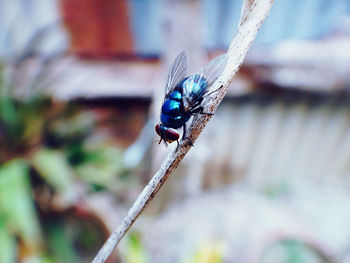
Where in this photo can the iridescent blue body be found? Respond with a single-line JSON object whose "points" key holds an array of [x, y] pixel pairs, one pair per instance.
{"points": [[177, 109]]}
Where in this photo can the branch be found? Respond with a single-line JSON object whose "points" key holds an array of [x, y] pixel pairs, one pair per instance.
{"points": [[253, 14]]}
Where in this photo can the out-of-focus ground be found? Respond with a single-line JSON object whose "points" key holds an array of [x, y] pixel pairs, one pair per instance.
{"points": [[81, 88]]}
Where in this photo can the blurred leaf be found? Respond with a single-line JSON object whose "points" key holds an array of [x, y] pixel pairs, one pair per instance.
{"points": [[7, 244], [73, 237], [211, 252], [277, 189], [32, 116], [292, 251], [101, 166], [87, 235], [21, 124], [53, 166], [7, 112], [60, 244], [46, 259], [16, 203], [297, 252], [70, 127], [7, 109], [134, 251]]}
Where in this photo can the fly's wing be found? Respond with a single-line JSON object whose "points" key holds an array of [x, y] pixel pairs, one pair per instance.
{"points": [[176, 73], [213, 69], [193, 93]]}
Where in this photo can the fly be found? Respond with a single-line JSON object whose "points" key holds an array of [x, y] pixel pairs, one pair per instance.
{"points": [[184, 95]]}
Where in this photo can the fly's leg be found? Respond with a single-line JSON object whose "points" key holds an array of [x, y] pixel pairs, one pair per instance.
{"points": [[190, 142], [184, 135], [214, 90], [200, 110], [207, 113], [177, 147], [184, 131]]}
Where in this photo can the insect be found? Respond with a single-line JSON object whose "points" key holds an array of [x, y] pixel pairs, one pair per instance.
{"points": [[184, 95]]}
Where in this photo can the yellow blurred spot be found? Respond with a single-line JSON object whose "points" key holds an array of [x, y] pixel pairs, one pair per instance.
{"points": [[209, 252]]}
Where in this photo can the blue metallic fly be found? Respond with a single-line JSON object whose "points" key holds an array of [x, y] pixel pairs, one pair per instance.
{"points": [[184, 95]]}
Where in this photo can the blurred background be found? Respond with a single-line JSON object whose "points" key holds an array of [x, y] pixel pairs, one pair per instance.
{"points": [[81, 86]]}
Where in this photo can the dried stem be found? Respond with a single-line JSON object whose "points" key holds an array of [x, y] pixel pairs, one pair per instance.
{"points": [[253, 14]]}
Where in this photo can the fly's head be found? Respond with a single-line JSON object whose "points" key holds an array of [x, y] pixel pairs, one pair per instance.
{"points": [[167, 134]]}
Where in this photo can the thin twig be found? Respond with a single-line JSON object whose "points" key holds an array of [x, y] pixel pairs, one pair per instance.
{"points": [[253, 14]]}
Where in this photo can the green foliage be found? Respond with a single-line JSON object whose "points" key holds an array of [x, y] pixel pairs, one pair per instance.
{"points": [[297, 252], [21, 125], [134, 251], [292, 251], [60, 244], [54, 168], [103, 167], [46, 147], [16, 204], [7, 244]]}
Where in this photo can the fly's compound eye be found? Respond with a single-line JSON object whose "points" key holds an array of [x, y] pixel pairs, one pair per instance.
{"points": [[167, 134], [157, 128], [171, 135]]}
